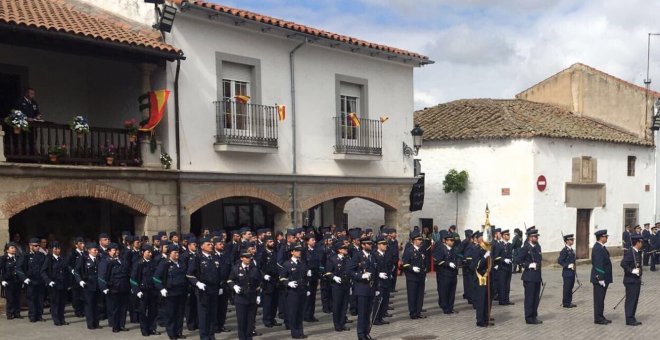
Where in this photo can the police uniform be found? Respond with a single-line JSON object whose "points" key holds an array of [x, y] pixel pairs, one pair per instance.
{"points": [[57, 276], [192, 321], [29, 107], [325, 286], [29, 271], [362, 269], [414, 264], [393, 249], [466, 260], [313, 263], [142, 286], [114, 277], [567, 261], [336, 270], [269, 301], [632, 280], [204, 274], [383, 265], [446, 273], [655, 246], [170, 280], [295, 271], [530, 258], [223, 299], [77, 297], [601, 277], [503, 256], [11, 283], [481, 267], [245, 279], [86, 274], [646, 234]]}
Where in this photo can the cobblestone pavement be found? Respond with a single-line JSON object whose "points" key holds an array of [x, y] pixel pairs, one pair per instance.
{"points": [[558, 322]]}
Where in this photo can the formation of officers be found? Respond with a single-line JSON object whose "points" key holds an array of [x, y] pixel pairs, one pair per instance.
{"points": [[172, 279]]}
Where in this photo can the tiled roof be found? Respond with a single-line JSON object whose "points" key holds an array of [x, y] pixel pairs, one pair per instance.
{"points": [[243, 14], [77, 19], [514, 118]]}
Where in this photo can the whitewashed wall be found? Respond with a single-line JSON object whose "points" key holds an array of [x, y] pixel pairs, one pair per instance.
{"points": [[364, 214], [136, 10]]}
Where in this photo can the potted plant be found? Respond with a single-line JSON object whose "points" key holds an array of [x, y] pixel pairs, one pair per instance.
{"points": [[79, 125], [17, 120], [56, 151], [132, 127], [108, 150], [165, 160]]}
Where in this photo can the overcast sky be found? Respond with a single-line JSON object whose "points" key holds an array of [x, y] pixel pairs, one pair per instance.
{"points": [[490, 48]]}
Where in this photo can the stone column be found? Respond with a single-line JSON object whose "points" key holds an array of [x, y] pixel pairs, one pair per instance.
{"points": [[282, 221], [149, 159], [145, 72], [4, 232]]}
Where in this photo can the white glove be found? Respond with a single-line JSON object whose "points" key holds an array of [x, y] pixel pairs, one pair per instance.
{"points": [[105, 291], [200, 285], [293, 284], [309, 293], [602, 283], [82, 284], [570, 266], [532, 265], [27, 281], [139, 295], [487, 255], [377, 293], [220, 292], [636, 271], [496, 267], [51, 284], [416, 269], [258, 299], [366, 276], [163, 292], [452, 265], [5, 283], [267, 277], [237, 289], [507, 261], [309, 273], [383, 276], [337, 279]]}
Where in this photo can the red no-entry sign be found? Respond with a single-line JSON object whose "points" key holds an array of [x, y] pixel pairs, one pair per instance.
{"points": [[541, 183]]}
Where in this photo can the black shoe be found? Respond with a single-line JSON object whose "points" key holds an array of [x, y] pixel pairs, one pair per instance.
{"points": [[10, 317], [154, 332], [482, 325], [255, 333], [342, 329], [387, 315], [311, 320], [601, 322], [114, 330], [421, 316], [349, 321], [64, 323], [265, 325], [145, 334], [18, 316], [181, 336], [423, 310], [353, 313], [225, 329], [534, 322], [608, 320], [124, 329], [633, 323], [390, 308]]}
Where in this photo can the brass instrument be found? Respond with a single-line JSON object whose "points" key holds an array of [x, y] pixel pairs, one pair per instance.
{"points": [[486, 244]]}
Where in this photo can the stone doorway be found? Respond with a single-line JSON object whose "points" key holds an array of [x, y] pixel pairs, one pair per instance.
{"points": [[582, 233]]}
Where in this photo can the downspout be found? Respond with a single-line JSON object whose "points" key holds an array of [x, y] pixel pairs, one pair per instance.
{"points": [[179, 218], [294, 172]]}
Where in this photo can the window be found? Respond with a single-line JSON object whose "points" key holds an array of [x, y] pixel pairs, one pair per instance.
{"points": [[630, 216], [349, 104], [235, 82], [631, 165]]}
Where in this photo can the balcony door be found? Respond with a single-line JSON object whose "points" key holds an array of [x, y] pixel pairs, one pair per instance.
{"points": [[236, 112], [349, 104]]}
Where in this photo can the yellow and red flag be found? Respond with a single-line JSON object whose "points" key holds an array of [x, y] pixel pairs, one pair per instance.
{"points": [[383, 119], [157, 101], [281, 112], [242, 99], [352, 117]]}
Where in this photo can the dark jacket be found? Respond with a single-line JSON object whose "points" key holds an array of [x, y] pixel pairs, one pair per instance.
{"points": [[248, 279], [383, 265], [443, 257], [630, 261], [414, 258], [171, 276], [360, 264], [29, 267], [57, 271], [530, 254], [268, 266], [338, 267], [8, 268], [114, 275], [87, 270], [567, 257], [291, 271], [601, 265], [142, 275]]}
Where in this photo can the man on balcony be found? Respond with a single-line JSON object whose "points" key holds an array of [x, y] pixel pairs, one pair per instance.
{"points": [[28, 105]]}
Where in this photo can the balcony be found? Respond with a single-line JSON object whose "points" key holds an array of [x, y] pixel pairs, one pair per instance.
{"points": [[245, 127], [363, 142], [86, 149]]}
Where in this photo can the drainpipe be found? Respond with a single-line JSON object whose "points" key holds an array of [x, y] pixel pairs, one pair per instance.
{"points": [[179, 218], [293, 128]]}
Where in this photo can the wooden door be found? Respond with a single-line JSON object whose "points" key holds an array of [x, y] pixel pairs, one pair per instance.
{"points": [[582, 234]]}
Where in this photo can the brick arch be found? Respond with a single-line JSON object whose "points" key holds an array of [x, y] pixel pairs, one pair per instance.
{"points": [[384, 199], [234, 190], [26, 200]]}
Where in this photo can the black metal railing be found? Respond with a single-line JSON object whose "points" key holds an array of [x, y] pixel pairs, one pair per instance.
{"points": [[365, 139], [246, 124], [36, 145]]}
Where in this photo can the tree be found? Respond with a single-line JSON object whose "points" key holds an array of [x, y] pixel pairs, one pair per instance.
{"points": [[455, 182]]}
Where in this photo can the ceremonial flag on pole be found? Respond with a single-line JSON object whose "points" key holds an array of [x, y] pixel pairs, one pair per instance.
{"points": [[157, 101], [281, 112], [242, 99], [355, 121]]}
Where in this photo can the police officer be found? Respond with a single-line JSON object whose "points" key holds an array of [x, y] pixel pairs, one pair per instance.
{"points": [[446, 271], [646, 234], [654, 241], [567, 261], [204, 274], [142, 286], [225, 269], [362, 269], [86, 274], [29, 271], [504, 260], [466, 248], [479, 265], [601, 275], [313, 263], [293, 275], [268, 266], [530, 258], [326, 290], [170, 280], [336, 269], [10, 281], [188, 255], [632, 277], [130, 256], [28, 104], [77, 297], [414, 265], [57, 276], [383, 265], [244, 279], [114, 277], [393, 248]]}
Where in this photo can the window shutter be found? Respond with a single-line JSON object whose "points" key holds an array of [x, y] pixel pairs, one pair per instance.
{"points": [[348, 89], [234, 71]]}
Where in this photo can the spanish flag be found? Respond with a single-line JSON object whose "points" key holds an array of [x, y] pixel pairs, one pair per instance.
{"points": [[281, 112], [383, 119], [242, 99], [352, 117], [157, 101]]}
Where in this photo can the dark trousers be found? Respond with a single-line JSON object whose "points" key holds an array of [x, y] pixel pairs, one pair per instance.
{"points": [[599, 301], [567, 296], [269, 307], [632, 297], [352, 305], [117, 304], [480, 303], [174, 310], [381, 302], [364, 305], [148, 309], [223, 303], [339, 305], [295, 300], [646, 256], [13, 296], [415, 292], [35, 299], [191, 312], [133, 306], [504, 286], [494, 284], [281, 305], [310, 301], [57, 302], [245, 316], [653, 260], [91, 308], [207, 312], [532, 294], [77, 300], [326, 296], [467, 287], [446, 292]]}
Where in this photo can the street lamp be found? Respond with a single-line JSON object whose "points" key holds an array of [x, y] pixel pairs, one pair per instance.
{"points": [[418, 136]]}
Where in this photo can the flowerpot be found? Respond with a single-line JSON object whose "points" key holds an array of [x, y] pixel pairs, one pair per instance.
{"points": [[109, 160], [53, 158], [17, 130], [132, 138]]}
